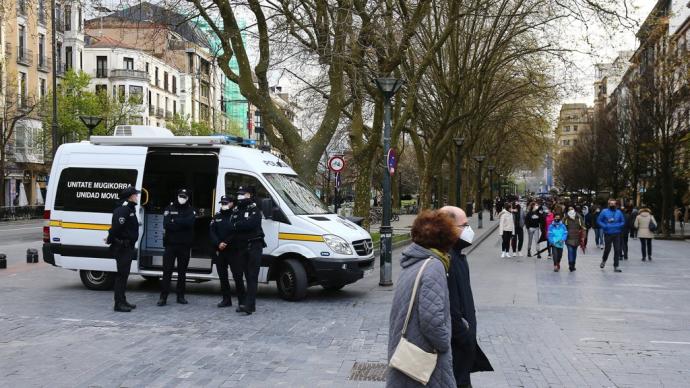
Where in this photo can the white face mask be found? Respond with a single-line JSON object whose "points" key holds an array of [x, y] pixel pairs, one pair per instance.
{"points": [[571, 213], [241, 197], [467, 234], [225, 207], [181, 200]]}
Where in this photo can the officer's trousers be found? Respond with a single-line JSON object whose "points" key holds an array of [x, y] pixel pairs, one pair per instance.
{"points": [[123, 257], [245, 263], [181, 253], [223, 260]]}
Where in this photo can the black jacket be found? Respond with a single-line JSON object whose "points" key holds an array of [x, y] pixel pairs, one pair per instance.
{"points": [[220, 228], [467, 355], [246, 225], [178, 221], [124, 228], [532, 219]]}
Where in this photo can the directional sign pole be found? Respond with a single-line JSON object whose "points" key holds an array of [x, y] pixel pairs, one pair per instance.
{"points": [[336, 201]]}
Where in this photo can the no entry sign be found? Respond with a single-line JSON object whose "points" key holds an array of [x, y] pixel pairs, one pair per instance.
{"points": [[336, 163]]}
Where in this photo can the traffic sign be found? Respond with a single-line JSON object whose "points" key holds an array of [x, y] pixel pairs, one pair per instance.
{"points": [[336, 163], [392, 161]]}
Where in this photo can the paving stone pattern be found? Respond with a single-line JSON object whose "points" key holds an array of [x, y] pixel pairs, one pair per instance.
{"points": [[591, 328]]}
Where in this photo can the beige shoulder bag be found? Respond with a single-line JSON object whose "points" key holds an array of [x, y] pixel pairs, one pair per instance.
{"points": [[409, 358]]}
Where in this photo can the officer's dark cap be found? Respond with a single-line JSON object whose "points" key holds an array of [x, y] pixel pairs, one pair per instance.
{"points": [[128, 192], [227, 199], [183, 193], [244, 190]]}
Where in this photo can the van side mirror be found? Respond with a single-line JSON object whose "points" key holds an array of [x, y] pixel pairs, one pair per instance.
{"points": [[267, 208]]}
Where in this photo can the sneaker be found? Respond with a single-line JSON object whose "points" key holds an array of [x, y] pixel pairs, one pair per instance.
{"points": [[503, 254], [644, 259], [616, 269], [572, 269], [556, 268], [650, 258], [602, 265], [529, 254], [508, 254], [519, 253]]}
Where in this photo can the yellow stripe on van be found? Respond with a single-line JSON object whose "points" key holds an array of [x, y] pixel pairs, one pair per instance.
{"points": [[78, 225], [300, 237]]}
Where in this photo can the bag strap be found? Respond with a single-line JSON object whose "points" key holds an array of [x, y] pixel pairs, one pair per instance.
{"points": [[414, 294]]}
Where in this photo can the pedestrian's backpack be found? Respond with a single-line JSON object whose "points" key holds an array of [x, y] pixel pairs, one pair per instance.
{"points": [[652, 226]]}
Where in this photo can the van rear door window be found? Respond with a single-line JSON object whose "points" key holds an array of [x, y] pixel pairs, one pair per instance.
{"points": [[92, 189]]}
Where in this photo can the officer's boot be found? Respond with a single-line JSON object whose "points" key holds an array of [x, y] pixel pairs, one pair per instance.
{"points": [[226, 302], [130, 305], [163, 300], [121, 307], [181, 299]]}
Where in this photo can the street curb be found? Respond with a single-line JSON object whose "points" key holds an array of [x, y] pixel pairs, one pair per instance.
{"points": [[481, 239], [476, 244]]}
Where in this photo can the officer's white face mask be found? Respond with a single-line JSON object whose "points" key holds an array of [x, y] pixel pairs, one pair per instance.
{"points": [[242, 197], [182, 200], [225, 207]]}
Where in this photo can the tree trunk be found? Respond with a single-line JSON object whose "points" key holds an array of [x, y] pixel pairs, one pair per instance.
{"points": [[362, 203], [2, 178]]}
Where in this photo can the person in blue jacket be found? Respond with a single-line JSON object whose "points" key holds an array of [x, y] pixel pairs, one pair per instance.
{"points": [[612, 223], [557, 236]]}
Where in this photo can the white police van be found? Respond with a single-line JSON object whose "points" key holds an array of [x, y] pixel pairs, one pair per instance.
{"points": [[306, 245]]}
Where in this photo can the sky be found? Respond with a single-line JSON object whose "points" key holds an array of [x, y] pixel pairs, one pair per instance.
{"points": [[601, 48]]}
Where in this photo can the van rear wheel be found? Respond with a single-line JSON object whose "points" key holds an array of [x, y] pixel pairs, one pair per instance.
{"points": [[292, 280], [97, 280]]}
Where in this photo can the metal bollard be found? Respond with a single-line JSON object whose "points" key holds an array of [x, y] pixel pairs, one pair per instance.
{"points": [[3, 261], [31, 255]]}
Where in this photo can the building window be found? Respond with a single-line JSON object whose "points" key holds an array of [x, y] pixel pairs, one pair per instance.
{"points": [[204, 89], [575, 128], [42, 11], [101, 67], [68, 18], [155, 82], [121, 92], [22, 89], [68, 58], [41, 50], [42, 88], [22, 41], [566, 129], [79, 22], [165, 80], [174, 84], [147, 67], [136, 94], [101, 89], [129, 63], [174, 107], [81, 60]]}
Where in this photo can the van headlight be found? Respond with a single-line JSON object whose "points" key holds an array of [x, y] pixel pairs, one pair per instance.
{"points": [[337, 244]]}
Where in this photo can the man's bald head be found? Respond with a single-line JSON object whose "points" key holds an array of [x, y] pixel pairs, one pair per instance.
{"points": [[458, 215]]}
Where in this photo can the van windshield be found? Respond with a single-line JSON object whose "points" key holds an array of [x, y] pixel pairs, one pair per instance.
{"points": [[298, 196]]}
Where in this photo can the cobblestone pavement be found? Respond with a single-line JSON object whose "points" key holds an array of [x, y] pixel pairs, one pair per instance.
{"points": [[591, 328]]}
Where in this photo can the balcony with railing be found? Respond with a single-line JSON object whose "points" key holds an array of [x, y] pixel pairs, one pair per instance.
{"points": [[131, 74], [60, 68], [152, 110], [43, 63], [159, 113], [24, 56], [168, 115]]}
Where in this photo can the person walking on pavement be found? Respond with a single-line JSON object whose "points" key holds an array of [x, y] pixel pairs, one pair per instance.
{"points": [[625, 234], [246, 245], [519, 235], [546, 222], [598, 231], [219, 232], [576, 227], [557, 235], [468, 357], [506, 227], [532, 220], [611, 221], [429, 325], [633, 217], [122, 237], [587, 216], [644, 223], [178, 222]]}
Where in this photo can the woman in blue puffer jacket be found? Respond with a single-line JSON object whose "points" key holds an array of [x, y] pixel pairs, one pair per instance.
{"points": [[557, 236]]}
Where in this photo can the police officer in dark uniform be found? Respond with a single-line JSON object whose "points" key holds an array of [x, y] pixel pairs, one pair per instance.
{"points": [[178, 221], [220, 236], [123, 234], [246, 245]]}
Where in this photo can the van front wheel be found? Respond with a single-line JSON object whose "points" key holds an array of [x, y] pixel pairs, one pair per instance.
{"points": [[97, 280], [292, 280]]}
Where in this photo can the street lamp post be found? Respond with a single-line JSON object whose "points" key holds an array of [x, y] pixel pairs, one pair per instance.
{"points": [[458, 174], [388, 87], [480, 159], [491, 169], [91, 122]]}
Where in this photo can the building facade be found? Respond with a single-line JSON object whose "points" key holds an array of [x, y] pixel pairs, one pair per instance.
{"points": [[573, 120]]}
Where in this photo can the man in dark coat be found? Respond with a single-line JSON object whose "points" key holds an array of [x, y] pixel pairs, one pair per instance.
{"points": [[122, 237], [467, 355]]}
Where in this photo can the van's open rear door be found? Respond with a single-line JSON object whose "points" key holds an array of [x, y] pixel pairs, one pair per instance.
{"points": [[90, 180]]}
